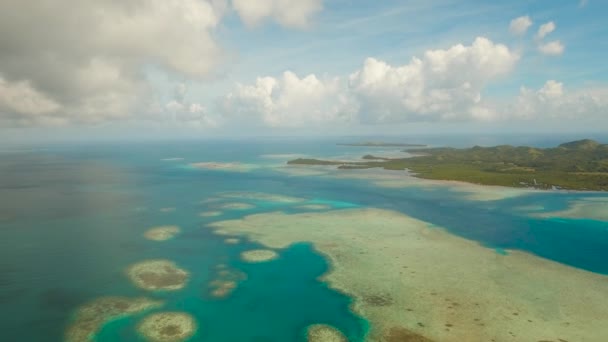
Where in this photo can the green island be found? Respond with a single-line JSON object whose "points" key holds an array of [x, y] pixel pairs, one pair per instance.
{"points": [[380, 144], [576, 165]]}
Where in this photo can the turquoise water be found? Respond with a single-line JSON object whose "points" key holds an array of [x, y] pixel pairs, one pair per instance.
{"points": [[72, 219]]}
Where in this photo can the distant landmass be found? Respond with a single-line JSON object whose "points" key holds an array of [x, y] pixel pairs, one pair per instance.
{"points": [[380, 144], [576, 165]]}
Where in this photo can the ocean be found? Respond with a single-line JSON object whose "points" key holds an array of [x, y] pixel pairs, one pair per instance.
{"points": [[72, 219]]}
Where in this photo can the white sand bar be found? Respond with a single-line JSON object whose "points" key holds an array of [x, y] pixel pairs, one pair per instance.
{"points": [[237, 206], [411, 280], [261, 196], [593, 208]]}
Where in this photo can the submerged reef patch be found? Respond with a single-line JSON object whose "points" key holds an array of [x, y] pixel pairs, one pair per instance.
{"points": [[236, 206], [262, 196], [167, 327], [226, 281], [158, 275], [407, 273], [324, 333], [259, 255], [91, 317], [314, 207], [211, 213], [235, 167], [162, 233]]}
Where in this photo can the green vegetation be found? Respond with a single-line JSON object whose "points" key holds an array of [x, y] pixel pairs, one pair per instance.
{"points": [[577, 165]]}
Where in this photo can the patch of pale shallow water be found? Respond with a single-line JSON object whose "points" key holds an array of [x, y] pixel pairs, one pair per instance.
{"points": [[314, 207], [411, 279], [304, 171], [225, 281], [593, 208], [259, 255], [236, 206], [223, 166], [92, 316], [401, 179], [167, 210], [324, 333], [167, 327], [231, 241], [162, 233], [210, 213], [261, 196], [286, 156], [158, 275]]}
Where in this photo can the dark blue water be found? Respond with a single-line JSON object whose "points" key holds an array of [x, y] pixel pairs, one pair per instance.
{"points": [[72, 219]]}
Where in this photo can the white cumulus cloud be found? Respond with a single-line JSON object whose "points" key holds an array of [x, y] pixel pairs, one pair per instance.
{"points": [[289, 13], [442, 85], [552, 101], [519, 26], [290, 101], [545, 29], [553, 48]]}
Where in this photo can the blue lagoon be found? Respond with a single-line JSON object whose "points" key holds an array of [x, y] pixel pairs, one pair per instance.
{"points": [[222, 241]]}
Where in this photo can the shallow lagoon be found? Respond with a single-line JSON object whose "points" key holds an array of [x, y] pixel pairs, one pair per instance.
{"points": [[73, 220]]}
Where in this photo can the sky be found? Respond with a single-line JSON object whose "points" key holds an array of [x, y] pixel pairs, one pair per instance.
{"points": [[204, 68]]}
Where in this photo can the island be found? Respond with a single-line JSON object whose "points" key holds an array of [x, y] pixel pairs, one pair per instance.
{"points": [[576, 165]]}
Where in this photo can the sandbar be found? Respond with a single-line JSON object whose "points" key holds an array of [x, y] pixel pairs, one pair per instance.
{"points": [[314, 207], [167, 327], [211, 213], [324, 333], [90, 318], [162, 233], [402, 179], [259, 255], [415, 280], [237, 206], [232, 241], [593, 208], [235, 166], [261, 196], [158, 275]]}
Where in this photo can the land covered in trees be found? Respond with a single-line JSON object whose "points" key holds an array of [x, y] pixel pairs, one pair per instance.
{"points": [[576, 165]]}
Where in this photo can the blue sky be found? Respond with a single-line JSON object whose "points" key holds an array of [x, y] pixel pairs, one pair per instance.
{"points": [[217, 67]]}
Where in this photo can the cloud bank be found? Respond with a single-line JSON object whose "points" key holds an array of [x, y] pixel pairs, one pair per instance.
{"points": [[442, 85], [82, 61], [289, 13]]}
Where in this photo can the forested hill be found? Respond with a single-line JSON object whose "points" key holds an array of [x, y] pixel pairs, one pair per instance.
{"points": [[580, 165]]}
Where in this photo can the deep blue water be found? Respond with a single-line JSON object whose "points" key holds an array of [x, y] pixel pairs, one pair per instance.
{"points": [[72, 219]]}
